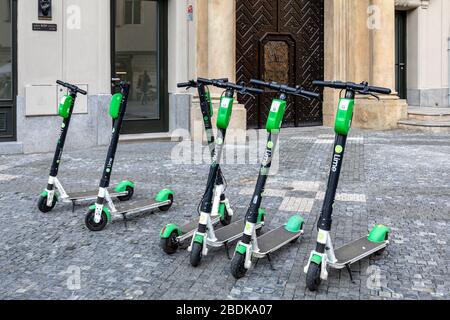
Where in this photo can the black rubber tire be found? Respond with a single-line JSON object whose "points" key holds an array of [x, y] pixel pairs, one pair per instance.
{"points": [[196, 254], [226, 220], [167, 207], [42, 204], [91, 225], [238, 266], [170, 245], [128, 197], [313, 276]]}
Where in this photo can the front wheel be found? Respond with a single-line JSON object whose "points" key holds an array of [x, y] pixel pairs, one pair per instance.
{"points": [[130, 192], [92, 225], [170, 244], [42, 204], [196, 254], [238, 266], [167, 207], [313, 276]]}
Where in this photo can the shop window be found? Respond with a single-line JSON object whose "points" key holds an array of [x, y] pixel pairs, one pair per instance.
{"points": [[133, 11]]}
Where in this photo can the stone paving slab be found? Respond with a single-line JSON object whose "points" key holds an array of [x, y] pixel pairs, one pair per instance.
{"points": [[397, 178]]}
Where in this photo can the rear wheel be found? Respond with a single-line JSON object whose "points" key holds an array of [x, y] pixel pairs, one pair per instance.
{"points": [[167, 207], [170, 244], [130, 192], [196, 254], [238, 266], [42, 204], [92, 225], [313, 276]]}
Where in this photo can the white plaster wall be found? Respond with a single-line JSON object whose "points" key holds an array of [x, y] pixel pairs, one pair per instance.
{"points": [[428, 75], [79, 53], [181, 62]]}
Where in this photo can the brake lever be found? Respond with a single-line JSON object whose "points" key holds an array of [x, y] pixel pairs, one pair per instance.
{"points": [[245, 93], [369, 94]]}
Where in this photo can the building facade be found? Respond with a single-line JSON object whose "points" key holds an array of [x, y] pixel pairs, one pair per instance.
{"points": [[400, 44]]}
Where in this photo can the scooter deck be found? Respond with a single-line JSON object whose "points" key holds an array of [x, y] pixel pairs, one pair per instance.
{"points": [[91, 195], [355, 251], [274, 240], [139, 206], [188, 229], [229, 233]]}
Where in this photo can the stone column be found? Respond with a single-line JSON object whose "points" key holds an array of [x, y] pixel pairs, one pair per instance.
{"points": [[385, 113], [216, 58], [355, 52]]}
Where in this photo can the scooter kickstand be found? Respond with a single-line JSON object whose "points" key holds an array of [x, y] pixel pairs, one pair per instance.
{"points": [[350, 273], [73, 206], [270, 263], [227, 250], [125, 221]]}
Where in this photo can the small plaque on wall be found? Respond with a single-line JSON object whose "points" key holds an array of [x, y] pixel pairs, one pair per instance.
{"points": [[45, 9], [45, 27]]}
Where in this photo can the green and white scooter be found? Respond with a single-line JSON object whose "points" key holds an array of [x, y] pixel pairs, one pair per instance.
{"points": [[251, 244], [101, 213], [172, 235], [377, 239], [55, 191], [206, 234]]}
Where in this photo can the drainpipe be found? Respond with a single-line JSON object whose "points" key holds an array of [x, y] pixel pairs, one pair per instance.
{"points": [[448, 51]]}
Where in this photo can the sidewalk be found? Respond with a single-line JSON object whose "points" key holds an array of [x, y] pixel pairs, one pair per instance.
{"points": [[398, 178]]}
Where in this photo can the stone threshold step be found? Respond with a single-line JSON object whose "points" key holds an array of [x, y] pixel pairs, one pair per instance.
{"points": [[147, 137], [426, 123], [439, 112]]}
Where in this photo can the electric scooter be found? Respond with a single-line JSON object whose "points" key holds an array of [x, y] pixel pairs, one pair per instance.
{"points": [[48, 199], [206, 234], [100, 215], [252, 245], [377, 240], [172, 235]]}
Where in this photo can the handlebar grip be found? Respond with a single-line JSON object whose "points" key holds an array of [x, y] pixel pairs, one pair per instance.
{"points": [[259, 82], [184, 84], [380, 90], [309, 94], [254, 90]]}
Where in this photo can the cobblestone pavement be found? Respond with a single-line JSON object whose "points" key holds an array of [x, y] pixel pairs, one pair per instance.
{"points": [[396, 178]]}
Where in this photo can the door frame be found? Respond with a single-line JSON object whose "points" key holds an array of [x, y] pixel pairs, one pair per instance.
{"points": [[162, 124], [401, 53], [13, 101]]}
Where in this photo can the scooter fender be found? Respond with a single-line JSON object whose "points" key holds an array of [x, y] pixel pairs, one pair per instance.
{"points": [[122, 186], [164, 195], [98, 212], [169, 229], [246, 249]]}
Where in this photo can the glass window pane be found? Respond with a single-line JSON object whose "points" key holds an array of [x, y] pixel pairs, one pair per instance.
{"points": [[137, 62], [137, 12], [129, 12], [5, 50]]}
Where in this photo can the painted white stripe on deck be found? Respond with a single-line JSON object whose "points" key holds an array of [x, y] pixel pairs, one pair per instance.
{"points": [[347, 197], [291, 204]]}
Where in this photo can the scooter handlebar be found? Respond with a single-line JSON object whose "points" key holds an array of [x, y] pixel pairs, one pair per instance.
{"points": [[71, 87], [286, 89], [228, 85], [362, 87]]}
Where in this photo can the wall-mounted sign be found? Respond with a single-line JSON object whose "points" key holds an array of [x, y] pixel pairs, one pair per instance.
{"points": [[45, 27], [45, 9], [190, 13]]}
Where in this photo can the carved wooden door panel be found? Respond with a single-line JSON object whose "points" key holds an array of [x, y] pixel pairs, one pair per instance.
{"points": [[283, 41]]}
